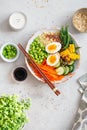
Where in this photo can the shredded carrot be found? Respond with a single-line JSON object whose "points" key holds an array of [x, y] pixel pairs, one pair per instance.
{"points": [[48, 71], [44, 62]]}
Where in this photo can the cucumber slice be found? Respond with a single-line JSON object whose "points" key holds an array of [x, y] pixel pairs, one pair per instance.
{"points": [[57, 65], [60, 70], [66, 70], [71, 62], [71, 68]]}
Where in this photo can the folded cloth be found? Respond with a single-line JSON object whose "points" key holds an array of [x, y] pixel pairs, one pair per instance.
{"points": [[80, 122], [83, 83], [81, 116]]}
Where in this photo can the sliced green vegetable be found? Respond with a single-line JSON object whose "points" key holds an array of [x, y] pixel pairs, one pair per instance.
{"points": [[71, 62], [60, 70], [66, 70], [71, 68]]}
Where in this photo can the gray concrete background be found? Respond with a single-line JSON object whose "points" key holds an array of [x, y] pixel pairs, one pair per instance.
{"points": [[48, 112]]}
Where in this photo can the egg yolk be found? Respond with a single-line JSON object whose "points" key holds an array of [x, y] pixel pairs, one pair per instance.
{"points": [[52, 59], [52, 47]]}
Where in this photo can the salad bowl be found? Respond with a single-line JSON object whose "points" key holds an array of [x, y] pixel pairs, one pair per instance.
{"points": [[64, 67]]}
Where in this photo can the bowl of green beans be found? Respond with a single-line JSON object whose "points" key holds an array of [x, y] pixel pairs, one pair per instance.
{"points": [[9, 52]]}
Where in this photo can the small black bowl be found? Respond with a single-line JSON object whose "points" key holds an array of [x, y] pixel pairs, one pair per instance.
{"points": [[20, 74]]}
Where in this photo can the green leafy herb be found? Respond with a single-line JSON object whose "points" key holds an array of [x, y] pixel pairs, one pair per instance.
{"points": [[76, 48]]}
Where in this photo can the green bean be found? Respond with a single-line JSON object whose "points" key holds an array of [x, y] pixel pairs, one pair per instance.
{"points": [[65, 37]]}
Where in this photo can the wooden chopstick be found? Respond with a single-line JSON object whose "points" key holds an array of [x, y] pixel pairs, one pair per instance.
{"points": [[39, 70]]}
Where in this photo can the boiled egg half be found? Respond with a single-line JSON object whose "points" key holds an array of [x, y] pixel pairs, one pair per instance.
{"points": [[53, 59], [53, 47]]}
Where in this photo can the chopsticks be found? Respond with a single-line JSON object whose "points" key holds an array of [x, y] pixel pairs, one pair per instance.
{"points": [[28, 56]]}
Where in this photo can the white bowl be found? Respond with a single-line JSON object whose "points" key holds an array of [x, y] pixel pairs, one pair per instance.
{"points": [[31, 70], [11, 59], [17, 21]]}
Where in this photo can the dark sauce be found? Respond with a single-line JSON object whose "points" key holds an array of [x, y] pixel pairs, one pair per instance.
{"points": [[20, 74]]}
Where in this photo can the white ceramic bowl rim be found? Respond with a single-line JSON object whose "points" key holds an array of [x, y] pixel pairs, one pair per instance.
{"points": [[27, 48], [13, 59]]}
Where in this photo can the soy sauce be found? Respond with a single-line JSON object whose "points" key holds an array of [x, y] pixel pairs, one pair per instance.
{"points": [[20, 74]]}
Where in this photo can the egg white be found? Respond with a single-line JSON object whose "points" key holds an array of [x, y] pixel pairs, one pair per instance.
{"points": [[58, 47], [57, 56]]}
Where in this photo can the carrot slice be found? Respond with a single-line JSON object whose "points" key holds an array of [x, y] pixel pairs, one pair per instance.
{"points": [[48, 71]]}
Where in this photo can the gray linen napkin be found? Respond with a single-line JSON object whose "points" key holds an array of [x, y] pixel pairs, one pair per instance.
{"points": [[81, 116], [80, 122]]}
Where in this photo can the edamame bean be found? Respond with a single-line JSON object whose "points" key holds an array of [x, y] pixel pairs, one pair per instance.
{"points": [[37, 50], [9, 52]]}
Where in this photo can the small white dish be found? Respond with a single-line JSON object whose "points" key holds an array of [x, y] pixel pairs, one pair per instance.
{"points": [[17, 20], [9, 59]]}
